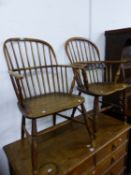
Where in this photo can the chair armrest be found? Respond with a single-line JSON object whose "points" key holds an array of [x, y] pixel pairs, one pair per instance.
{"points": [[80, 69], [16, 75], [123, 61], [81, 64]]}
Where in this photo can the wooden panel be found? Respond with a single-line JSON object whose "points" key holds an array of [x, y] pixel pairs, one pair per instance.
{"points": [[118, 141], [118, 167], [102, 153], [102, 166], [87, 166], [113, 146], [114, 43], [118, 153], [120, 172], [115, 40]]}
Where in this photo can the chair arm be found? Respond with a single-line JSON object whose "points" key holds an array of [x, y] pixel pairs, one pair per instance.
{"points": [[80, 64], [80, 69], [123, 61], [15, 74]]}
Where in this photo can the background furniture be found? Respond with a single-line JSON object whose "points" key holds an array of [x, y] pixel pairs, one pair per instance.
{"points": [[94, 76], [70, 155], [42, 87], [118, 44]]}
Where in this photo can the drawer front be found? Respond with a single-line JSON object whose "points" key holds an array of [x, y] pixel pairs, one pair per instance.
{"points": [[84, 168], [104, 159], [118, 153], [121, 172], [118, 168], [111, 147], [111, 160], [103, 153], [100, 168], [117, 142], [103, 166]]}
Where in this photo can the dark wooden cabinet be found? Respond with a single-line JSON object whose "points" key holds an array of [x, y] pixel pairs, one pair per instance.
{"points": [[66, 151], [115, 42]]}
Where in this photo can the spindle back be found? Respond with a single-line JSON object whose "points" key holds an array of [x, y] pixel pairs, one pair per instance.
{"points": [[80, 49], [36, 61]]}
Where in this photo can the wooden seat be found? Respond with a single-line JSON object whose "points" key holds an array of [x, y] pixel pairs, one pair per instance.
{"points": [[103, 89], [94, 76], [42, 87], [39, 106]]}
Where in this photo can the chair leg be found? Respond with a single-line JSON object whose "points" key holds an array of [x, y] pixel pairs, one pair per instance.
{"points": [[74, 109], [86, 122], [54, 119], [96, 111], [124, 102], [22, 127], [34, 151], [73, 112]]}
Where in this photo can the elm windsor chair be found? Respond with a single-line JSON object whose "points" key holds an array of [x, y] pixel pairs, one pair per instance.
{"points": [[43, 87], [94, 77]]}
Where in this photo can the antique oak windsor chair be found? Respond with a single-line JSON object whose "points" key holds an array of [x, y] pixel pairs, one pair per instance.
{"points": [[94, 77], [43, 87]]}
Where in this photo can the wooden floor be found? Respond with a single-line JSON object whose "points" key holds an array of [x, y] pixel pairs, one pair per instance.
{"points": [[63, 150]]}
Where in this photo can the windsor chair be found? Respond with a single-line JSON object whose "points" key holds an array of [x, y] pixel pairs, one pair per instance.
{"points": [[43, 87], [94, 76]]}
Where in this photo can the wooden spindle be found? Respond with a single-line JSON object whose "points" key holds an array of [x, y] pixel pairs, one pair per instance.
{"points": [[47, 76], [23, 65], [41, 70], [15, 58], [28, 62], [52, 70], [36, 72]]}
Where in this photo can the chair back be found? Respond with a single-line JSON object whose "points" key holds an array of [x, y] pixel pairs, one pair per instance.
{"points": [[36, 61], [82, 51]]}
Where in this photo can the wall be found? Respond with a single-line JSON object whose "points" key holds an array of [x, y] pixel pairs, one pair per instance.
{"points": [[54, 21], [108, 15]]}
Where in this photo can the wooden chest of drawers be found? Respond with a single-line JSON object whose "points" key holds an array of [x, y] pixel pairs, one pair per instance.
{"points": [[66, 151], [109, 160]]}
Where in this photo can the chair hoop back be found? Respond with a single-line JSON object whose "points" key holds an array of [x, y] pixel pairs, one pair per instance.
{"points": [[80, 49], [36, 61]]}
